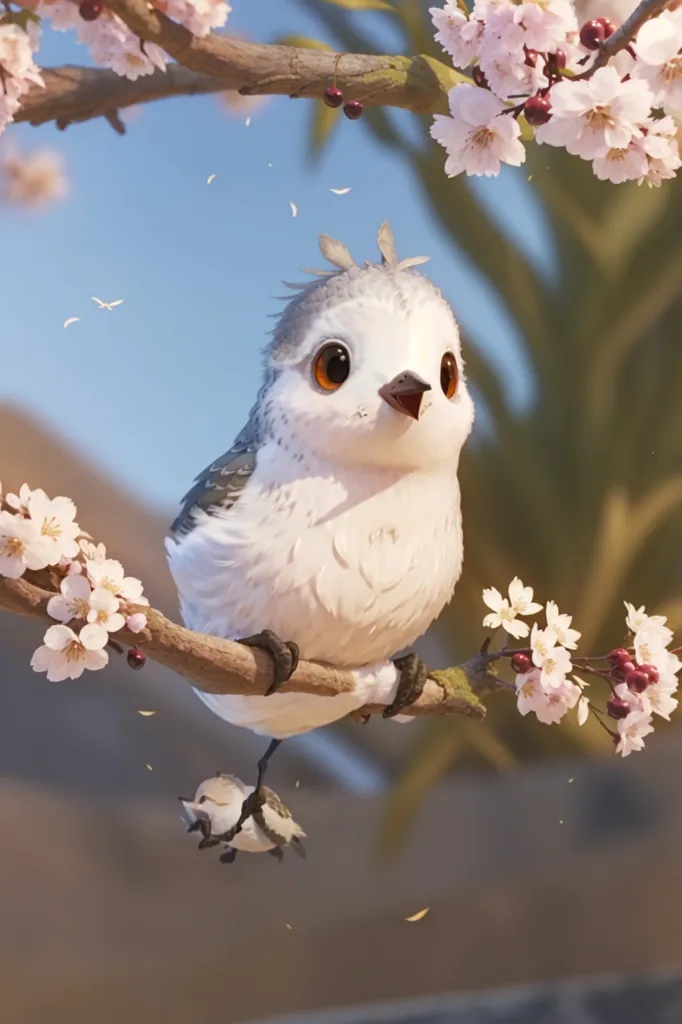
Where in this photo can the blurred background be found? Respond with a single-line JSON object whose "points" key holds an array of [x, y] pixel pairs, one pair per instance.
{"points": [[549, 867]]}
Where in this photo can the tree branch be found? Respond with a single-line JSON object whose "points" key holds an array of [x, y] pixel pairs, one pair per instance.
{"points": [[74, 94], [624, 35], [221, 666]]}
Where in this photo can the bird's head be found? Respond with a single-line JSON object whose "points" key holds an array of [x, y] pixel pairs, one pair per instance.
{"points": [[365, 366]]}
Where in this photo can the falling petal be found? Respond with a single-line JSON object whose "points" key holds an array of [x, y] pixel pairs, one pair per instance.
{"points": [[294, 209], [287, 925], [149, 768], [298, 783], [146, 714], [71, 320], [210, 179], [118, 302], [340, 191], [570, 781], [419, 915], [247, 122], [98, 301], [561, 821], [269, 165]]}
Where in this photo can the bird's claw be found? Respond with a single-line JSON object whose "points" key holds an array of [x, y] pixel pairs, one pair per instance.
{"points": [[284, 654], [228, 857], [413, 676]]}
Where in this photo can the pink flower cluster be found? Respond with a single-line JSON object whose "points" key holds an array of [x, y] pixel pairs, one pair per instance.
{"points": [[18, 70], [642, 677], [37, 533], [532, 74]]}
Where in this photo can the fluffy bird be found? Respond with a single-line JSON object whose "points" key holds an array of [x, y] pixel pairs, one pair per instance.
{"points": [[217, 806], [332, 526]]}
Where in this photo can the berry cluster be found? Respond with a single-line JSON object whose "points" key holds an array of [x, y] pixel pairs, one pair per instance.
{"points": [[333, 97], [635, 677]]}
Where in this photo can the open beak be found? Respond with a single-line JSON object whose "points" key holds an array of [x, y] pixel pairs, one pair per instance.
{"points": [[405, 393]]}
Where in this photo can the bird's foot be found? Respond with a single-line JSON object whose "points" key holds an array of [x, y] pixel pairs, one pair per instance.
{"points": [[277, 853], [229, 856], [413, 676], [254, 800], [284, 654]]}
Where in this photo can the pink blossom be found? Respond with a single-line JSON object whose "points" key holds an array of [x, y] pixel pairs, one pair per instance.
{"points": [[477, 139], [632, 731], [659, 60], [137, 622], [458, 35], [66, 655]]}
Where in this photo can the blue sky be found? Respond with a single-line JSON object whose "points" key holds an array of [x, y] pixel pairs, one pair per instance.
{"points": [[155, 389]]}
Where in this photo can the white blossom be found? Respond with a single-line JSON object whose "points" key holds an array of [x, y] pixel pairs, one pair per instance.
{"points": [[21, 546], [505, 610], [477, 136], [136, 622], [583, 710], [458, 35], [549, 707], [561, 626], [659, 60], [109, 575], [638, 621], [55, 518], [619, 165], [632, 731], [74, 600], [65, 654], [592, 116], [104, 610], [661, 149]]}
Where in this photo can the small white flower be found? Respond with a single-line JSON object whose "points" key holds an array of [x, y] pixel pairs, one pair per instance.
{"points": [[541, 643], [661, 150], [530, 695], [583, 710], [592, 116], [21, 546], [73, 602], [137, 622], [104, 610], [632, 731], [458, 35], [55, 518], [654, 626], [659, 60], [660, 698], [555, 667], [91, 551], [65, 654], [561, 627], [619, 165], [477, 136], [549, 708], [109, 574], [19, 501], [505, 610], [650, 650]]}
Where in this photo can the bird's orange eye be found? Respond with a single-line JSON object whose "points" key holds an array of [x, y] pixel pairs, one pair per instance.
{"points": [[331, 366], [449, 374]]}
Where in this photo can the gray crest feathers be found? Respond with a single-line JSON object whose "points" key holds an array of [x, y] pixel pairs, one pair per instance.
{"points": [[387, 248], [336, 253]]}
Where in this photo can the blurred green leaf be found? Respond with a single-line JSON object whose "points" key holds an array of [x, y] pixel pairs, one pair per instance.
{"points": [[325, 119], [361, 5]]}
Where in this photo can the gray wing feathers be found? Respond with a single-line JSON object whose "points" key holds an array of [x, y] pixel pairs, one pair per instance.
{"points": [[222, 483]]}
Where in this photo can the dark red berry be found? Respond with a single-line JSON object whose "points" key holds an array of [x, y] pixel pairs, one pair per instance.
{"points": [[651, 671], [557, 59], [531, 58], [623, 671], [619, 656], [537, 110], [479, 78], [89, 10], [136, 659], [353, 109], [332, 96], [637, 681], [521, 663], [593, 33], [617, 707]]}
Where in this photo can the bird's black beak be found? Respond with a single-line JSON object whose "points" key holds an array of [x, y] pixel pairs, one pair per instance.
{"points": [[405, 393]]}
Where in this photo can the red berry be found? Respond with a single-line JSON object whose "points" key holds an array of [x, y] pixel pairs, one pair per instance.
{"points": [[521, 663], [89, 10], [593, 33], [537, 110], [332, 96], [623, 671], [136, 659], [619, 656], [479, 78], [353, 109], [557, 59], [651, 671], [637, 681], [617, 707], [531, 58]]}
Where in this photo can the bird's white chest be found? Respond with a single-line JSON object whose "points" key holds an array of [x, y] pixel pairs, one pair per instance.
{"points": [[352, 567]]}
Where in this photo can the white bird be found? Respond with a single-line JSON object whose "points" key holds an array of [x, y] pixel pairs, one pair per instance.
{"points": [[217, 806], [107, 305], [332, 526]]}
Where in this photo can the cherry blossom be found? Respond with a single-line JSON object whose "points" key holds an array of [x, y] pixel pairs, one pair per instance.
{"points": [[549, 707], [18, 71], [73, 601], [583, 710], [619, 165], [109, 575], [478, 138], [561, 626], [55, 519], [22, 546], [199, 16], [595, 115], [19, 501], [654, 626], [66, 655], [659, 60], [632, 730], [458, 35], [662, 152], [104, 610]]}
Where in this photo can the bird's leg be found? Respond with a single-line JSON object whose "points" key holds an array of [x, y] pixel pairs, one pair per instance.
{"points": [[413, 676], [228, 857], [255, 800], [284, 654], [277, 853]]}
